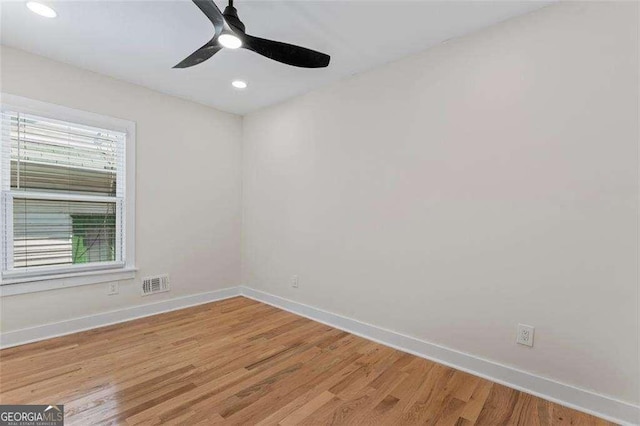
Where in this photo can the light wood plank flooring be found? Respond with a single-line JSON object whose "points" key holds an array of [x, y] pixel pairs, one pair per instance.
{"points": [[242, 362]]}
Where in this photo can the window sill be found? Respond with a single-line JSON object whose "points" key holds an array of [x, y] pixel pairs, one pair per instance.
{"points": [[22, 285]]}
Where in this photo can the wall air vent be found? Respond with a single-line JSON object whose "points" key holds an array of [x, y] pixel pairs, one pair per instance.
{"points": [[157, 284]]}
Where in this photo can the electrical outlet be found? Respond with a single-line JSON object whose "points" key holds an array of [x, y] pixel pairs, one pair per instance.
{"points": [[294, 281], [113, 288], [525, 335]]}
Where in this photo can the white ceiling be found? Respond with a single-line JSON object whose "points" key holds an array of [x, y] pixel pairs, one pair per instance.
{"points": [[139, 41]]}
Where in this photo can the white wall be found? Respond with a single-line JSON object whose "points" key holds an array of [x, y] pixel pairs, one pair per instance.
{"points": [[188, 189], [487, 182], [449, 196]]}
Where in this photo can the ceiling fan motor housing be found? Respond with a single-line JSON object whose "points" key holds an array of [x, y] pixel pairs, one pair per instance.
{"points": [[231, 16]]}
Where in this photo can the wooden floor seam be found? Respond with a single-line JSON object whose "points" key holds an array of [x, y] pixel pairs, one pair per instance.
{"points": [[243, 362]]}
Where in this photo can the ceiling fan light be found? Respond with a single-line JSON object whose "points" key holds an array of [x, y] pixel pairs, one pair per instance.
{"points": [[41, 9], [230, 41]]}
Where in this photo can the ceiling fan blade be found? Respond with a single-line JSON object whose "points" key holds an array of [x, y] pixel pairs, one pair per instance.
{"points": [[209, 8], [201, 55], [286, 53]]}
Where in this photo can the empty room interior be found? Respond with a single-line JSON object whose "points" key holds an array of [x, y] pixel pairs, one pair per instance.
{"points": [[297, 212]]}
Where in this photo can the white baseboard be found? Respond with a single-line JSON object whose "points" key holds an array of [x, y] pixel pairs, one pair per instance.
{"points": [[570, 396], [567, 395], [56, 329]]}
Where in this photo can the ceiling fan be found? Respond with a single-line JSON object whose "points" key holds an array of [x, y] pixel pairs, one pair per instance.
{"points": [[229, 33]]}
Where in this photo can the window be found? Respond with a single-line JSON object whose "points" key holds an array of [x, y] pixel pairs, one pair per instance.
{"points": [[64, 193]]}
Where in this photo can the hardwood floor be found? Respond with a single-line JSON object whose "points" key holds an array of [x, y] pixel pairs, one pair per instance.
{"points": [[242, 362]]}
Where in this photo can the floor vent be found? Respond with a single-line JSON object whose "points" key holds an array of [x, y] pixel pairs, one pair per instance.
{"points": [[157, 284]]}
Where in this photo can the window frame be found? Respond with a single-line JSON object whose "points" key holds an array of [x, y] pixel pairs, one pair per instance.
{"points": [[65, 276]]}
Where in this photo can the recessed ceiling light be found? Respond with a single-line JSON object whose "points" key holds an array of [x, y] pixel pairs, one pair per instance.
{"points": [[41, 9], [239, 84], [230, 41]]}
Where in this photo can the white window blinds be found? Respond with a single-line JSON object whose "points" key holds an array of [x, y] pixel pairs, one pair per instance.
{"points": [[63, 195]]}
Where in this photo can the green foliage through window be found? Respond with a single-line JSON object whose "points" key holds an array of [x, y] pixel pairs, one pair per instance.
{"points": [[93, 238]]}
